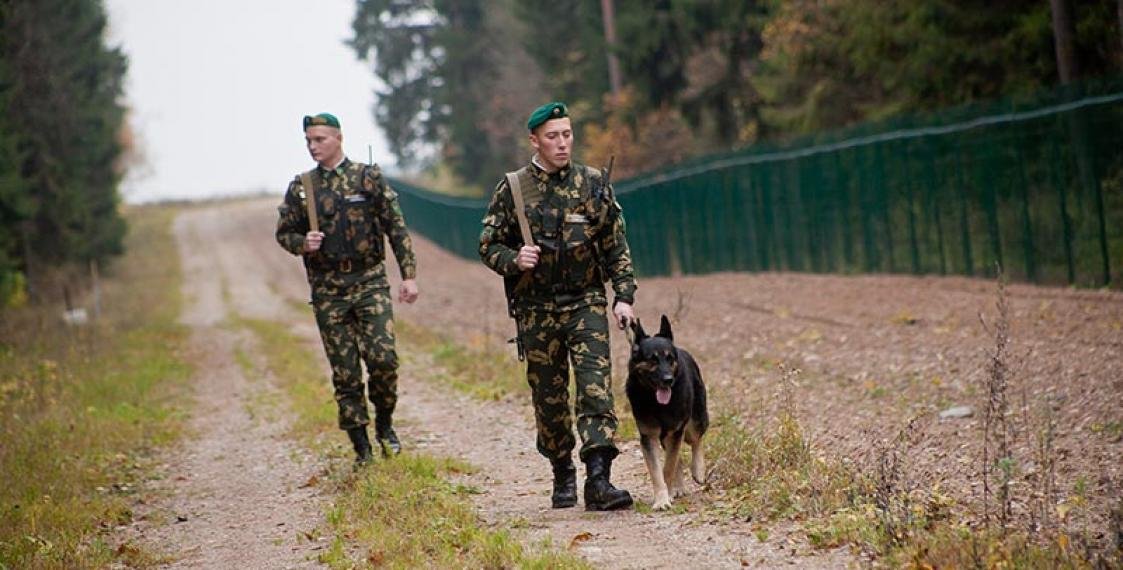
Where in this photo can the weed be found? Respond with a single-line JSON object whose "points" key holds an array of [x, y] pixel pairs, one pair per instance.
{"points": [[998, 465], [770, 474], [83, 409]]}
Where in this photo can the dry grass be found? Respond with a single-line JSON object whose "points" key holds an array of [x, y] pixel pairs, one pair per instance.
{"points": [[84, 408]]}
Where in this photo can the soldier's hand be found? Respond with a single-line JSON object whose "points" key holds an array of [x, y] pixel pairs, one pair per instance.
{"points": [[528, 257], [408, 292], [313, 241], [623, 313]]}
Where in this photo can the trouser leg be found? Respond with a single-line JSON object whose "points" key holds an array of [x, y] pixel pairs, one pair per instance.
{"points": [[376, 325], [587, 340], [547, 372], [338, 332]]}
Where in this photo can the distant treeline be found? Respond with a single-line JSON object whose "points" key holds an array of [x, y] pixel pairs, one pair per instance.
{"points": [[699, 77], [61, 139]]}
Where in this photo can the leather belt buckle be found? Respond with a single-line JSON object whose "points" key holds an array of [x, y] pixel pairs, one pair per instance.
{"points": [[345, 266]]}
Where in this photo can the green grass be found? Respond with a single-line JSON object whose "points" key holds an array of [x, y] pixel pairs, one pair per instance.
{"points": [[300, 376], [84, 409], [484, 373], [403, 513]]}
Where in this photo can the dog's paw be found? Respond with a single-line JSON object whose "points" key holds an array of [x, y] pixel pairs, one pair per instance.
{"points": [[678, 491], [662, 502]]}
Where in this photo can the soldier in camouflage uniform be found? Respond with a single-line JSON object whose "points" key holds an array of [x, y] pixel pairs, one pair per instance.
{"points": [[347, 274], [556, 292]]}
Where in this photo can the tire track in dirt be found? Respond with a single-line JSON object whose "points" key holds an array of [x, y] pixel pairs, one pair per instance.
{"points": [[497, 437], [232, 495]]}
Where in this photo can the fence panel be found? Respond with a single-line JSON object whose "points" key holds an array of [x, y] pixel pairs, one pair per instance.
{"points": [[1034, 185]]}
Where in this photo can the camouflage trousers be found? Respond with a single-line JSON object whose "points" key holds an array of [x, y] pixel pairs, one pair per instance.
{"points": [[553, 340], [353, 327]]}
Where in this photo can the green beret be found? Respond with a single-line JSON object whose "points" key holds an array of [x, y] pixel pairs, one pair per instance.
{"points": [[326, 119], [555, 110]]}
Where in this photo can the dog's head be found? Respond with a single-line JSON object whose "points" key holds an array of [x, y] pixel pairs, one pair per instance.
{"points": [[654, 361]]}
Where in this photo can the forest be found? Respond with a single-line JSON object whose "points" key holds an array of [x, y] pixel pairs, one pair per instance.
{"points": [[62, 143], [674, 79]]}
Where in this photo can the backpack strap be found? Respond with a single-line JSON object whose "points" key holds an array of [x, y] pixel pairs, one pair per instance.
{"points": [[310, 198], [520, 205]]}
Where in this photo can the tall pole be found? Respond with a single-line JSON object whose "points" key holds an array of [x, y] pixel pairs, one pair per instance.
{"points": [[1063, 40], [608, 12], [1120, 10]]}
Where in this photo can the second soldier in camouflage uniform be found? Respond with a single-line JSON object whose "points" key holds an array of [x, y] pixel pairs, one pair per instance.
{"points": [[347, 274], [557, 294]]}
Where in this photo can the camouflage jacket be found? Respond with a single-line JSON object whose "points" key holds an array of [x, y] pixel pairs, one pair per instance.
{"points": [[576, 221], [356, 208]]}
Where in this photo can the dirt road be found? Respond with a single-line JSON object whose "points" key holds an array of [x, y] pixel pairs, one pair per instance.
{"points": [[875, 350]]}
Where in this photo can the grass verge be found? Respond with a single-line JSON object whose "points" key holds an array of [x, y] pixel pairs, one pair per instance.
{"points": [[402, 513], [84, 408], [487, 373]]}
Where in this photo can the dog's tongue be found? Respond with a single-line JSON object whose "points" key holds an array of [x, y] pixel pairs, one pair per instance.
{"points": [[663, 395]]}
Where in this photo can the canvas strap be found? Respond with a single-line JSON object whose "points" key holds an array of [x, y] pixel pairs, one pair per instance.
{"points": [[520, 207], [310, 198]]}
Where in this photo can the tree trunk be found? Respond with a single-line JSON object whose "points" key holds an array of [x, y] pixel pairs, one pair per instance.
{"points": [[1120, 10], [608, 12], [1063, 40]]}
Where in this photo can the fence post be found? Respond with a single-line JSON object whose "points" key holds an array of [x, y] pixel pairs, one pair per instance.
{"points": [[1066, 224], [1027, 223], [964, 222]]}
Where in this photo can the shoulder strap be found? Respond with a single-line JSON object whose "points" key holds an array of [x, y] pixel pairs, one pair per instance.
{"points": [[520, 206], [310, 198]]}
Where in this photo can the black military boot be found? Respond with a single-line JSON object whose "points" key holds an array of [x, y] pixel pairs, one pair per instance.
{"points": [[565, 483], [384, 433], [362, 444], [600, 495]]}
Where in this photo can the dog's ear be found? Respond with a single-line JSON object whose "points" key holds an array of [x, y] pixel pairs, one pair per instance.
{"points": [[665, 329], [638, 329]]}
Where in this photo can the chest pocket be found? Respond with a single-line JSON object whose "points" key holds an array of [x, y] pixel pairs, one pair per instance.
{"points": [[364, 233], [580, 225], [354, 231]]}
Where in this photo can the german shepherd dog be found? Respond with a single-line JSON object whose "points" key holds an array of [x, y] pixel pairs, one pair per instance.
{"points": [[669, 403]]}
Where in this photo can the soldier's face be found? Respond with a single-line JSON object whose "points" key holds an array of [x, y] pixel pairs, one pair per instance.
{"points": [[325, 144], [553, 141]]}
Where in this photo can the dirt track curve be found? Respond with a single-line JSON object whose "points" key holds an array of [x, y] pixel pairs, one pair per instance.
{"points": [[875, 350]]}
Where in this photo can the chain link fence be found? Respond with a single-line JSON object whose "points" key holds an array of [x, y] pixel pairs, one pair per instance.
{"points": [[1032, 184]]}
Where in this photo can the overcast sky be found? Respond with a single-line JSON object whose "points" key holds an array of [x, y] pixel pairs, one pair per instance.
{"points": [[218, 88]]}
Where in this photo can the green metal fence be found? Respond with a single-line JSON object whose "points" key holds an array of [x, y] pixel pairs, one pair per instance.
{"points": [[1034, 185]]}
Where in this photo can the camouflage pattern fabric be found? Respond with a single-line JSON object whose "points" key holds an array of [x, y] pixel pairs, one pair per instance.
{"points": [[353, 326], [350, 293], [553, 340], [561, 308], [576, 220]]}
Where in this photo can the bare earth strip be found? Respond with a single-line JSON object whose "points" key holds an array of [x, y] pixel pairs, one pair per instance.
{"points": [[232, 496]]}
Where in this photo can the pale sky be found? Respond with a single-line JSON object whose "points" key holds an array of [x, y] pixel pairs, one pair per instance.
{"points": [[218, 88]]}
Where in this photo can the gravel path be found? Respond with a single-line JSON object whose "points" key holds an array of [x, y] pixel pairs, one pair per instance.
{"points": [[232, 496]]}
